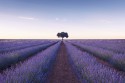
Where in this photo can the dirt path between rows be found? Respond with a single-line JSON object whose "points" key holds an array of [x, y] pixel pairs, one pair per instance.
{"points": [[62, 72]]}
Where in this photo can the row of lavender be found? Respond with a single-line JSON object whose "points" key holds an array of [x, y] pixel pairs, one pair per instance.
{"points": [[34, 70], [19, 42], [12, 45], [13, 57], [117, 59], [117, 46], [90, 70]]}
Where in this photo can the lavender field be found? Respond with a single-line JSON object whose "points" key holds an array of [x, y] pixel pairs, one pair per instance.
{"points": [[91, 61]]}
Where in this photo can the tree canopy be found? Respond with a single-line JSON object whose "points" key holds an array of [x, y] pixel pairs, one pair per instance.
{"points": [[62, 35]]}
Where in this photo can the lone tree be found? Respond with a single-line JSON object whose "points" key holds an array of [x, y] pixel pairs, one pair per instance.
{"points": [[63, 34]]}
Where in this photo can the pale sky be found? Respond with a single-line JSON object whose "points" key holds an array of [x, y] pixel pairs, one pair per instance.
{"points": [[43, 19]]}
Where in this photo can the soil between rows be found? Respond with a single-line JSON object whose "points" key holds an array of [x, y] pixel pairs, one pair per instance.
{"points": [[62, 71]]}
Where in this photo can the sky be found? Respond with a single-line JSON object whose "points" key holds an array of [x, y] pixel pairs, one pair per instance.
{"points": [[43, 19]]}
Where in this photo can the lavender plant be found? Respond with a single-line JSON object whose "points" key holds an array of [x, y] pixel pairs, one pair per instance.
{"points": [[92, 71], [6, 47], [116, 59], [13, 57], [117, 46], [33, 70]]}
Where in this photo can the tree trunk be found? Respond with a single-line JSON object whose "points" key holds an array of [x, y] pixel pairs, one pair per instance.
{"points": [[62, 38]]}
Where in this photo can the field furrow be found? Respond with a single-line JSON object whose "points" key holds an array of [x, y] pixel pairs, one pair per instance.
{"points": [[62, 71]]}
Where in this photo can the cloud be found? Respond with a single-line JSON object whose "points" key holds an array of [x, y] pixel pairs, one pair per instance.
{"points": [[26, 18], [61, 19]]}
